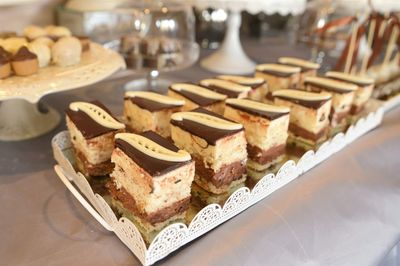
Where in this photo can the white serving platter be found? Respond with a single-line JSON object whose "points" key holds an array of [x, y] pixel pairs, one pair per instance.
{"points": [[176, 235]]}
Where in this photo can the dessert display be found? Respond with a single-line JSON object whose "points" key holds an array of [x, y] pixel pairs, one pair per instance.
{"points": [[266, 129], [44, 46], [92, 129], [217, 145], [308, 68], [342, 98], [150, 52], [151, 181], [196, 96], [309, 116], [258, 85], [145, 111], [228, 88], [364, 90], [278, 77]]}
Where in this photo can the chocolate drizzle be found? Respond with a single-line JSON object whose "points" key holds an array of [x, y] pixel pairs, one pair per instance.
{"points": [[314, 104], [150, 105], [269, 115], [153, 166], [196, 98], [209, 134], [23, 54], [86, 125]]}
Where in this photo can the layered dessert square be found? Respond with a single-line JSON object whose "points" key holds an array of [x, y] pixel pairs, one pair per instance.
{"points": [[228, 88], [145, 111], [342, 97], [92, 129], [278, 77], [308, 68], [309, 116], [217, 145], [151, 181], [365, 86], [258, 85], [196, 96], [266, 129]]}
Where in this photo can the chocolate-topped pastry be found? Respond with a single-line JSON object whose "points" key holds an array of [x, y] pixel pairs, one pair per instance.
{"points": [[278, 77], [151, 181], [5, 63], [196, 96], [258, 85], [24, 62], [130, 44], [308, 68], [342, 98], [14, 44], [364, 90], [145, 111], [92, 129], [266, 128], [228, 88], [309, 116], [217, 145]]}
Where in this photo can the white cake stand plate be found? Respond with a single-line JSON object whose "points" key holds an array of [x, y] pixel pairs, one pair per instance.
{"points": [[22, 116], [230, 58]]}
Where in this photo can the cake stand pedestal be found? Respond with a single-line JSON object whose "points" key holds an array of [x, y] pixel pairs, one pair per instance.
{"points": [[230, 58], [22, 114]]}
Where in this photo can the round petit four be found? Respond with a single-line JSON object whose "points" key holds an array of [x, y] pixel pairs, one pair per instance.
{"points": [[57, 31], [45, 40], [42, 52], [67, 52], [13, 44], [32, 32], [24, 62]]}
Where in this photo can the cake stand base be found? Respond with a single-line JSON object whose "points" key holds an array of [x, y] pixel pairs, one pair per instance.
{"points": [[21, 120], [230, 58]]}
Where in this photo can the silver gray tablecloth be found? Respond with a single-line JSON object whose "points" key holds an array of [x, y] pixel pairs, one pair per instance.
{"points": [[346, 211]]}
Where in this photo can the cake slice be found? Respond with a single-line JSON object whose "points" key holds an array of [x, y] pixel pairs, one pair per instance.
{"points": [[278, 77], [145, 111], [258, 85], [266, 129], [92, 129], [365, 86], [151, 181], [228, 88], [309, 116], [308, 68], [196, 96], [217, 145], [342, 98]]}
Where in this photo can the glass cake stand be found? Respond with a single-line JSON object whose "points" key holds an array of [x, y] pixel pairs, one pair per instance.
{"points": [[23, 116]]}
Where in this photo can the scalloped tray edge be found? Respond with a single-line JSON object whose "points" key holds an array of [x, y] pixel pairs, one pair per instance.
{"points": [[176, 235]]}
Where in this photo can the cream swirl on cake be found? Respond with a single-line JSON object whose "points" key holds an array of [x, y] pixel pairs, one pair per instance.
{"points": [[96, 113], [230, 89], [153, 149], [304, 64], [198, 90], [330, 84], [207, 120], [360, 80], [155, 97]]}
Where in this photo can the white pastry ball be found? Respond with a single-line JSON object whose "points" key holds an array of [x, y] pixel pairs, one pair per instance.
{"points": [[42, 51], [58, 31], [67, 51], [44, 40], [32, 32], [13, 44]]}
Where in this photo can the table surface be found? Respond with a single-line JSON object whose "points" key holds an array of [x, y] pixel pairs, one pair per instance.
{"points": [[343, 212]]}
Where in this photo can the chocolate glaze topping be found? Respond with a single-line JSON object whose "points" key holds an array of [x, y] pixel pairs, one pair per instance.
{"points": [[209, 134], [314, 104], [23, 54], [150, 105], [197, 99], [86, 125], [4, 56], [228, 93], [265, 114], [326, 87], [153, 166], [276, 73]]}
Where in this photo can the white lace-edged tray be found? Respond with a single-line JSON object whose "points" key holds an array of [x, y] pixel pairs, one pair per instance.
{"points": [[391, 103], [176, 235], [96, 65]]}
